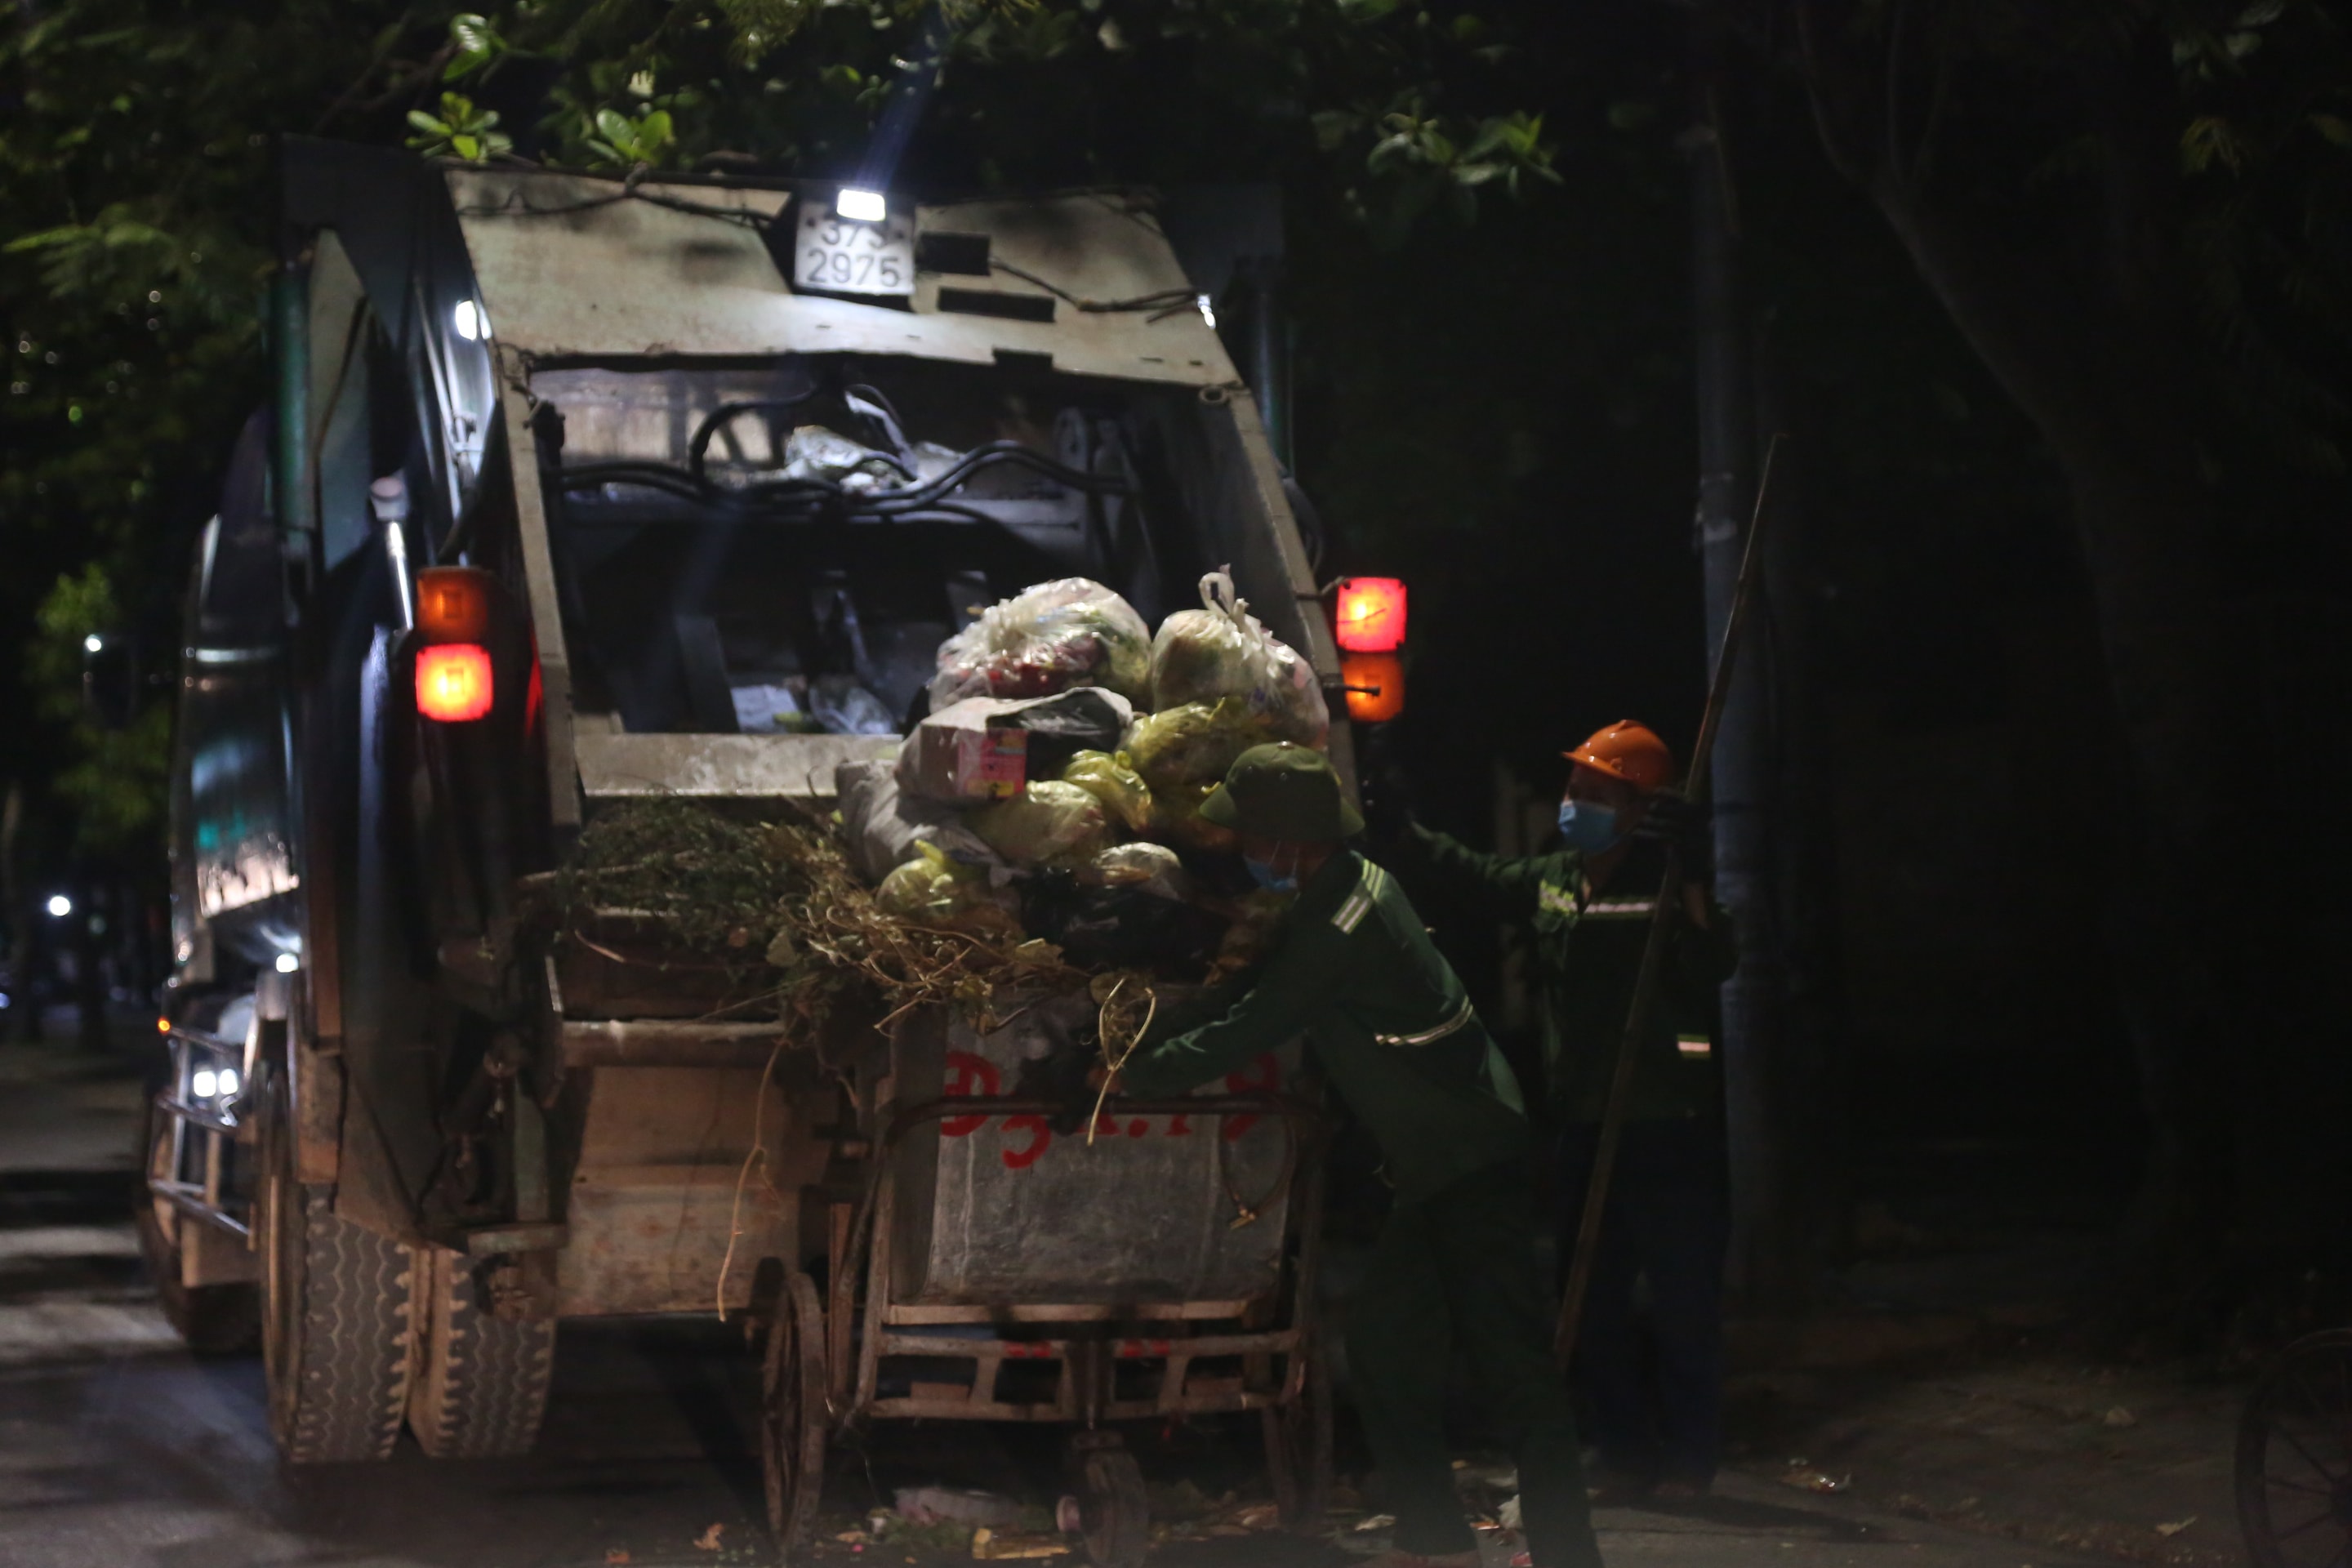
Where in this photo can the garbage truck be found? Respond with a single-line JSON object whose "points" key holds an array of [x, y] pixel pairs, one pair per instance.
{"points": [[577, 492]]}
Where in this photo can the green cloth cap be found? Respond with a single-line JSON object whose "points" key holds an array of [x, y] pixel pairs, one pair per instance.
{"points": [[1283, 791]]}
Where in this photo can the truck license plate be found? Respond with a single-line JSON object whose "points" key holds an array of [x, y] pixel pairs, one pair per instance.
{"points": [[843, 258]]}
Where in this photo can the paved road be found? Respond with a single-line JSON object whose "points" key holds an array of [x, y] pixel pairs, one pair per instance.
{"points": [[119, 1451]]}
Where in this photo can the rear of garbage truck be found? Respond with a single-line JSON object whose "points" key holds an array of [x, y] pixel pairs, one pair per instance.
{"points": [[575, 494]]}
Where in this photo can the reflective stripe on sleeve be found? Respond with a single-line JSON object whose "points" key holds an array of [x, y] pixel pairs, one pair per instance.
{"points": [[1351, 915]]}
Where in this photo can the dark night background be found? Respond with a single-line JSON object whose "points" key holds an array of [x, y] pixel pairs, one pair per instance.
{"points": [[2063, 406]]}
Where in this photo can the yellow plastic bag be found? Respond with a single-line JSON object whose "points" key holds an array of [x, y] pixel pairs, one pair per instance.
{"points": [[1115, 782], [1194, 743], [932, 889], [1052, 824]]}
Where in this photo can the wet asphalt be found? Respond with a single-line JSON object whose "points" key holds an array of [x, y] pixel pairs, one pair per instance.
{"points": [[119, 1449]]}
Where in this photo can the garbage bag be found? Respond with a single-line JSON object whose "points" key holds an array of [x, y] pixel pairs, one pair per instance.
{"points": [[1195, 742], [934, 891], [1258, 917], [1221, 650], [814, 452], [1118, 926], [1176, 820], [1072, 632], [844, 708], [1085, 717], [884, 827], [1052, 824], [1153, 868], [1112, 781]]}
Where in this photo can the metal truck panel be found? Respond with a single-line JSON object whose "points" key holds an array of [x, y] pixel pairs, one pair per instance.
{"points": [[662, 1186], [719, 767], [572, 267]]}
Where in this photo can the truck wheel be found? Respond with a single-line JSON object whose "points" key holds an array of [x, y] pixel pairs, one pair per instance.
{"points": [[481, 1380], [335, 1336], [215, 1320], [793, 1415]]}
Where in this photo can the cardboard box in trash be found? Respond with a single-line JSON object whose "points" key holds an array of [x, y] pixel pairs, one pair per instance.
{"points": [[965, 752], [984, 748]]}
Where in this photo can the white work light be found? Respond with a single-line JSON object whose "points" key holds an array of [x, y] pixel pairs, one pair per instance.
{"points": [[1208, 311], [204, 1082], [92, 643], [59, 905], [287, 964], [862, 206], [467, 319], [227, 1082]]}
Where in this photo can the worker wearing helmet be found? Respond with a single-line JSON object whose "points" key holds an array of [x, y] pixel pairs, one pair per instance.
{"points": [[1452, 1275], [1587, 904]]}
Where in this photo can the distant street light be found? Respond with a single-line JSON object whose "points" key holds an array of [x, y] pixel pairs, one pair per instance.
{"points": [[92, 643], [59, 905]]}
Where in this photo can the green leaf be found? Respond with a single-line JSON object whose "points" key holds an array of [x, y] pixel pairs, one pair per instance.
{"points": [[426, 124], [1367, 10], [614, 124]]}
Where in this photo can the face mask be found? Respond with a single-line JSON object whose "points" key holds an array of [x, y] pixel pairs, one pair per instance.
{"points": [[1588, 825], [1271, 880]]}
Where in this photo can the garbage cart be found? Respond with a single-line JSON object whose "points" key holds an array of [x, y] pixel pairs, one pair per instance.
{"points": [[984, 1267]]}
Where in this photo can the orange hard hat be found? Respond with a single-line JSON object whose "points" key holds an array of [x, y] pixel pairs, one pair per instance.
{"points": [[1630, 752]]}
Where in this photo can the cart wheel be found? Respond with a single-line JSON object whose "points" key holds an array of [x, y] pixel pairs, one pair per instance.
{"points": [[1298, 1451], [1114, 1514], [2294, 1456], [793, 1413]]}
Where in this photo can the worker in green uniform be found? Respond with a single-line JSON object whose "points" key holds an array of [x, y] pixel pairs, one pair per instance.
{"points": [[1452, 1275], [1657, 1417]]}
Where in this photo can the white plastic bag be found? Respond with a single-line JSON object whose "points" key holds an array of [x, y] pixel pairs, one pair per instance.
{"points": [[1048, 638], [1221, 650]]}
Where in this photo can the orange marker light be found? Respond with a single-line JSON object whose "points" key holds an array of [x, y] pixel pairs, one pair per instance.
{"points": [[1370, 614], [1375, 683], [453, 681], [453, 603], [162, 1026]]}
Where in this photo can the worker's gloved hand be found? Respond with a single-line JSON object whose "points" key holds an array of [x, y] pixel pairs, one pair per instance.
{"points": [[1674, 818]]}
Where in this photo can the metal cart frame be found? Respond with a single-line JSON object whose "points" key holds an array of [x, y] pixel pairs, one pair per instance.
{"points": [[823, 1372]]}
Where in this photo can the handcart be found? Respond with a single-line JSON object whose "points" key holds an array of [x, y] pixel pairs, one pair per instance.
{"points": [[1161, 1269]]}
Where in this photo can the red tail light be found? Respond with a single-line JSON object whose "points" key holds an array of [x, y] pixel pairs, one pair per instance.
{"points": [[453, 681], [1370, 614]]}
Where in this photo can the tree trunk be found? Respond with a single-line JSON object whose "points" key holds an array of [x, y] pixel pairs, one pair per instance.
{"points": [[2101, 365]]}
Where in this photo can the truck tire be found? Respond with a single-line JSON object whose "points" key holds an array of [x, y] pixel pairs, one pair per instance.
{"points": [[336, 1341], [215, 1320], [481, 1380]]}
